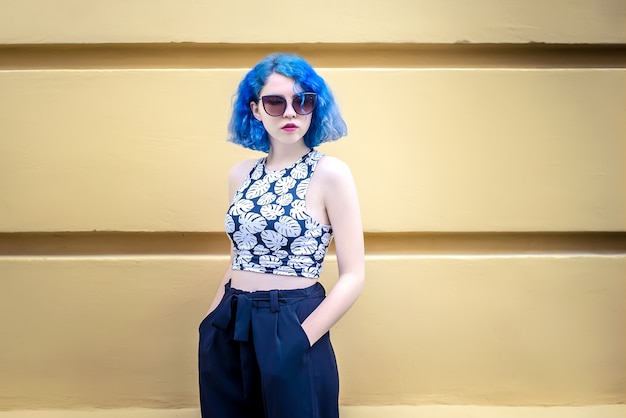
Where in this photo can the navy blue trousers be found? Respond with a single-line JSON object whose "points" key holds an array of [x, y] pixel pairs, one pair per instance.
{"points": [[255, 360]]}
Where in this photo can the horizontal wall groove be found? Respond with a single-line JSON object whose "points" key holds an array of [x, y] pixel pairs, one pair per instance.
{"points": [[216, 243], [367, 55], [496, 243]]}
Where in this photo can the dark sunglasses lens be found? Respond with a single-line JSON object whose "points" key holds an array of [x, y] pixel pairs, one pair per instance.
{"points": [[274, 105], [304, 103]]}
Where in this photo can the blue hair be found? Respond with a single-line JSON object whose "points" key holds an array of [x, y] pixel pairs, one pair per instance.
{"points": [[326, 121]]}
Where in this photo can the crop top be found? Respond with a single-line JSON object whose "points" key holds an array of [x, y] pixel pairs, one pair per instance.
{"points": [[269, 226]]}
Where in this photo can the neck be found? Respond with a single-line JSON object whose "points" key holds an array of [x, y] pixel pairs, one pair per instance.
{"points": [[281, 157]]}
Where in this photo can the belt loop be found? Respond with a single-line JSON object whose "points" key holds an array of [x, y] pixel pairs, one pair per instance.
{"points": [[274, 306], [243, 318]]}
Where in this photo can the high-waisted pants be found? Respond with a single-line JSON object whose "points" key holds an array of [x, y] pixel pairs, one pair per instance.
{"points": [[255, 360]]}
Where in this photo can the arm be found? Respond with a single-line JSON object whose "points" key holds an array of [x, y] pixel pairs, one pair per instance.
{"points": [[342, 207], [236, 176], [219, 294]]}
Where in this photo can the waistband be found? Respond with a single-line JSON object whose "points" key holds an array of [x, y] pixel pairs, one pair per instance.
{"points": [[315, 290], [237, 305]]}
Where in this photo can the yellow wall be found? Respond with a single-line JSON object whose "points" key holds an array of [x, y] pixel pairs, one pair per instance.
{"points": [[493, 196], [348, 21]]}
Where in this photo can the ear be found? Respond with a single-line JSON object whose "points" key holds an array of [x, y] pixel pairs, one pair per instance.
{"points": [[254, 107]]}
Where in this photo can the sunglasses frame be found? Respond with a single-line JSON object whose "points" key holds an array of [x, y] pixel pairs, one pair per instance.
{"points": [[286, 102]]}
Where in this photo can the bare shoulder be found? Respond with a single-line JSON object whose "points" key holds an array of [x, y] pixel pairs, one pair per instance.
{"points": [[239, 171], [332, 170], [238, 174]]}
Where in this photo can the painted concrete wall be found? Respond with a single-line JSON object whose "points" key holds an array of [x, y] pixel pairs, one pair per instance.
{"points": [[348, 21], [494, 202]]}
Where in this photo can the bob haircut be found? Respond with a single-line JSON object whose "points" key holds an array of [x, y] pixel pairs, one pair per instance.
{"points": [[326, 122]]}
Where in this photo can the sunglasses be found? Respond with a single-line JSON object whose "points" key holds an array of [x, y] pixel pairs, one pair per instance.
{"points": [[275, 105]]}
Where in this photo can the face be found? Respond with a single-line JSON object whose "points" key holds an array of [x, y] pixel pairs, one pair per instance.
{"points": [[290, 127]]}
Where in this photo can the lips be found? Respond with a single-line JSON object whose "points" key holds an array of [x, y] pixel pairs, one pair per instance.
{"points": [[290, 127]]}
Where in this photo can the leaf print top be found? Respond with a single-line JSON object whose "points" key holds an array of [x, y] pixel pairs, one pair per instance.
{"points": [[269, 226]]}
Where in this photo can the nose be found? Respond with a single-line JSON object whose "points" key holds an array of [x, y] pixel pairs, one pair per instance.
{"points": [[289, 110]]}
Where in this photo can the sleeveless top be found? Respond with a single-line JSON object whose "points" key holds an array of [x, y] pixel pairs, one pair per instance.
{"points": [[269, 226]]}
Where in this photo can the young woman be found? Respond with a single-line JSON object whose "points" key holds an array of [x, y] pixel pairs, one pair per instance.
{"points": [[264, 346]]}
